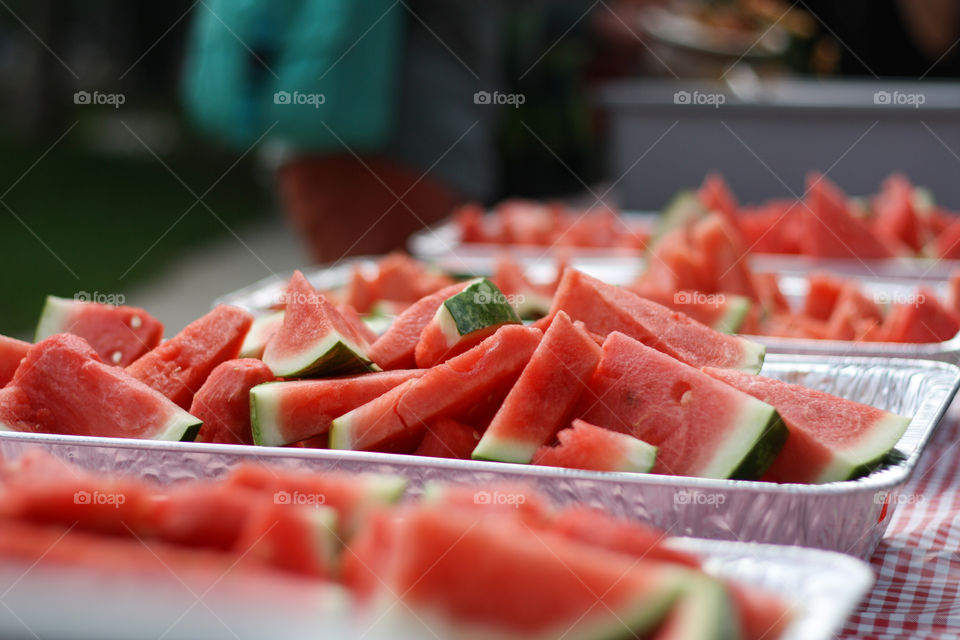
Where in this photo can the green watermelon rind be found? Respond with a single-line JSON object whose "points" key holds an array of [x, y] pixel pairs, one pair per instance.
{"points": [[499, 449], [480, 306], [708, 611], [325, 522], [255, 342], [638, 456], [180, 427], [752, 356], [265, 415], [865, 457], [735, 312], [765, 443], [53, 318], [685, 207], [341, 433], [333, 354]]}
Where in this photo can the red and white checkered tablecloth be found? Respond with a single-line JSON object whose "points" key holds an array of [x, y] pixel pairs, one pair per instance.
{"points": [[917, 565]]}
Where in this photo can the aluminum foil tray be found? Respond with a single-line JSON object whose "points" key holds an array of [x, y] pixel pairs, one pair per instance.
{"points": [[261, 295], [849, 517]]}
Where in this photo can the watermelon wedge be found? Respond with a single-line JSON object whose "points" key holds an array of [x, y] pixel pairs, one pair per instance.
{"points": [[315, 338], [725, 313], [448, 438], [440, 560], [701, 427], [894, 217], [223, 402], [447, 390], [604, 308], [762, 615], [822, 295], [396, 348], [831, 230], [587, 446], [260, 332], [360, 327], [529, 300], [463, 321], [119, 334], [12, 351], [704, 611], [179, 366], [203, 515], [63, 387], [715, 195], [296, 538], [831, 439], [285, 412], [539, 403], [923, 321]]}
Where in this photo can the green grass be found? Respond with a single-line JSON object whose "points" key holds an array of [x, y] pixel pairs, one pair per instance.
{"points": [[97, 217]]}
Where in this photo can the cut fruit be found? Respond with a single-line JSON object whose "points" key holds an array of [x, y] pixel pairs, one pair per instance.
{"points": [[853, 315], [704, 611], [539, 403], [700, 426], [207, 515], [396, 348], [315, 338], [831, 438], [924, 320], [448, 438], [529, 300], [822, 295], [286, 412], [463, 321], [447, 390], [12, 351], [830, 230], [63, 387], [763, 616], [179, 366], [715, 195], [685, 208], [605, 308], [587, 446], [440, 561], [353, 497], [119, 334], [359, 326], [723, 312], [296, 538], [260, 332], [223, 402]]}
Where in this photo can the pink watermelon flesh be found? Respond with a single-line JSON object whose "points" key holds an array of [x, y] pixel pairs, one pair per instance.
{"points": [[540, 402], [12, 351], [63, 387], [604, 308], [715, 195], [119, 334], [593, 448], [202, 515], [831, 438], [179, 366], [295, 538], [396, 347], [763, 616], [822, 296], [285, 412], [722, 248], [533, 584], [721, 312], [700, 426], [894, 217], [830, 230], [260, 332], [447, 390], [448, 438], [923, 321], [223, 402], [853, 315], [598, 529], [360, 328], [315, 338]]}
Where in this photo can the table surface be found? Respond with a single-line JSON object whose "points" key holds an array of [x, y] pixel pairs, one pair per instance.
{"points": [[917, 565]]}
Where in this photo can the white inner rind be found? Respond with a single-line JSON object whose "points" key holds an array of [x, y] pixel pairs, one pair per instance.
{"points": [[341, 432], [265, 414], [53, 317], [753, 354], [309, 356], [639, 456], [491, 447]]}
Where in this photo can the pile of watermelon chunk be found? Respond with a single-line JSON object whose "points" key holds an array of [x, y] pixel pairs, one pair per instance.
{"points": [[606, 381], [456, 563]]}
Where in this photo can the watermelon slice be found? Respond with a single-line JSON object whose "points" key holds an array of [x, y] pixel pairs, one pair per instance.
{"points": [[395, 349], [539, 403], [285, 412], [772, 227], [63, 387], [296, 538], [223, 402], [353, 497], [448, 438], [831, 230], [715, 195], [361, 292], [894, 216], [952, 304], [529, 300], [361, 328], [822, 295], [12, 351], [704, 611], [831, 438], [763, 616], [119, 334], [447, 390], [315, 338], [207, 515], [723, 312], [604, 308], [260, 332], [587, 446], [439, 561], [463, 321], [179, 366], [724, 255], [923, 321], [700, 426], [853, 315], [683, 209]]}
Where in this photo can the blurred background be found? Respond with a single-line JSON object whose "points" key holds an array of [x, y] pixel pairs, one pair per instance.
{"points": [[171, 152]]}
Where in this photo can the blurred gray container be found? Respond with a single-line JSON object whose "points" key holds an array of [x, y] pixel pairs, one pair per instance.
{"points": [[765, 135]]}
